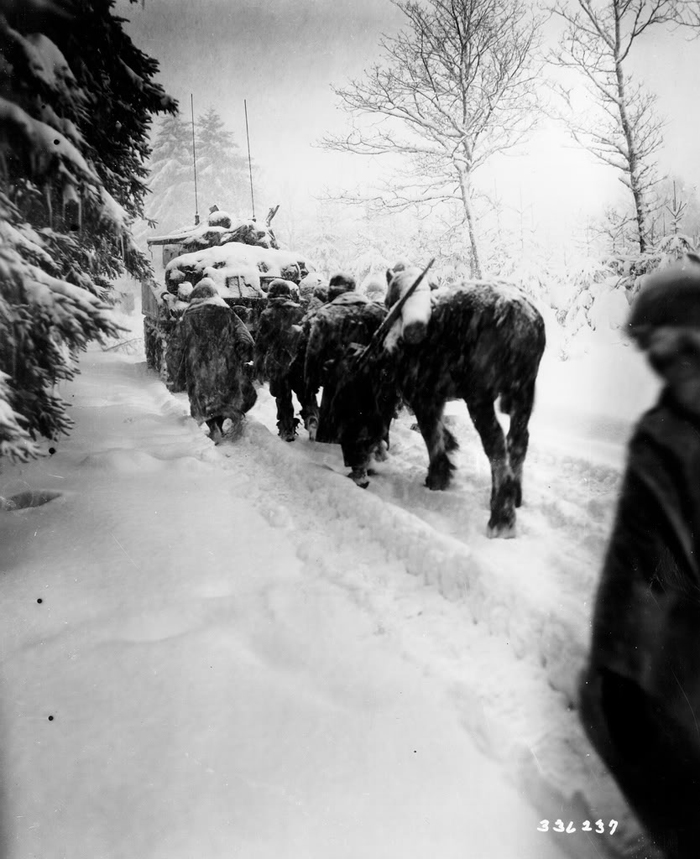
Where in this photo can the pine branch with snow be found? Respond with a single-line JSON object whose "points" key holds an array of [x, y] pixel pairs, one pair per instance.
{"points": [[44, 323], [222, 172], [76, 103]]}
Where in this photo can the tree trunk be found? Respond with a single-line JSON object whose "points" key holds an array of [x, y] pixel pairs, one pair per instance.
{"points": [[632, 160], [475, 260]]}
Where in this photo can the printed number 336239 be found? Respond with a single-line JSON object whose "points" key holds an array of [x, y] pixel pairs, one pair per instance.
{"points": [[586, 826]]}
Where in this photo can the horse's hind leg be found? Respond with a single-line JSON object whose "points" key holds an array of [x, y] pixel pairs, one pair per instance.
{"points": [[518, 435], [483, 415], [440, 469], [450, 442]]}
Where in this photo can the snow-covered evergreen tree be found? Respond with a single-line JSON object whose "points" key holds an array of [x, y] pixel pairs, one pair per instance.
{"points": [[76, 102], [222, 172], [171, 182]]}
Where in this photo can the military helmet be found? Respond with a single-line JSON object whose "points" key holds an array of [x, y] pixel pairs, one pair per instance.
{"points": [[204, 289], [668, 297], [280, 288], [339, 284]]}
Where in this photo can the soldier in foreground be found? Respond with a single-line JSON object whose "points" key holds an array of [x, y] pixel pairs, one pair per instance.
{"points": [[640, 695], [208, 360]]}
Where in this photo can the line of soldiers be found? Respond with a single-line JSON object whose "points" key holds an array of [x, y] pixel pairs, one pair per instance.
{"points": [[306, 340]]}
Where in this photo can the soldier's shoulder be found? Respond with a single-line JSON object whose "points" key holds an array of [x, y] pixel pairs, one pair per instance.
{"points": [[349, 299]]}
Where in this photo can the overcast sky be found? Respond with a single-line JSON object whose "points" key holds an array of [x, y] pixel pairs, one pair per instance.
{"points": [[282, 56]]}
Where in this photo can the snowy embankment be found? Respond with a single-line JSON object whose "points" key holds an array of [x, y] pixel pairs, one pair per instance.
{"points": [[237, 625], [197, 661]]}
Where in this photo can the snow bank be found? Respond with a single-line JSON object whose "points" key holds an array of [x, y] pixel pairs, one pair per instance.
{"points": [[533, 596], [196, 663], [502, 627], [516, 687]]}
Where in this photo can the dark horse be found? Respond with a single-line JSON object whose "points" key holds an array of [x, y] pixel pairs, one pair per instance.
{"points": [[478, 342]]}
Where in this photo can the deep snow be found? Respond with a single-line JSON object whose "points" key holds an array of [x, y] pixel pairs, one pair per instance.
{"points": [[243, 654]]}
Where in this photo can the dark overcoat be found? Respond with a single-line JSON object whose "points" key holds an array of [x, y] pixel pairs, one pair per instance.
{"points": [[277, 339], [209, 361], [640, 693], [350, 318]]}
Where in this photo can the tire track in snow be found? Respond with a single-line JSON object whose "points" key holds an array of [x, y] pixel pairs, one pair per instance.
{"points": [[507, 636]]}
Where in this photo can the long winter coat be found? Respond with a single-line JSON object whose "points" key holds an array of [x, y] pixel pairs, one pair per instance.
{"points": [[350, 318], [209, 360], [277, 339], [640, 695]]}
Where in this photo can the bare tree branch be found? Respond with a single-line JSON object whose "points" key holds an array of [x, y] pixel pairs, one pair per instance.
{"points": [[625, 133], [456, 86]]}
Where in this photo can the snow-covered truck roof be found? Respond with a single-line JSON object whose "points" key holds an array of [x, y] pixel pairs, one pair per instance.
{"points": [[238, 270], [239, 255]]}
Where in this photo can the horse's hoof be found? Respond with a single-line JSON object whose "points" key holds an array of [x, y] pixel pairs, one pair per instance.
{"points": [[437, 482], [505, 532], [359, 478]]}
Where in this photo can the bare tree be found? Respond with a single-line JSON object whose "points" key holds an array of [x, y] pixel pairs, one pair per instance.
{"points": [[455, 87], [624, 131]]}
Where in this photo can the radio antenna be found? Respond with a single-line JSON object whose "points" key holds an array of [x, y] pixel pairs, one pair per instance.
{"points": [[194, 162], [250, 167]]}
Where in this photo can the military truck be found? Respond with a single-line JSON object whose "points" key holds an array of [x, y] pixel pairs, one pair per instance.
{"points": [[239, 257]]}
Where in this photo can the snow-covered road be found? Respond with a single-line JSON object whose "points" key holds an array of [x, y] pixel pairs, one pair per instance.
{"points": [[233, 651]]}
